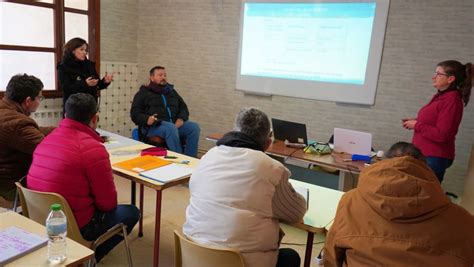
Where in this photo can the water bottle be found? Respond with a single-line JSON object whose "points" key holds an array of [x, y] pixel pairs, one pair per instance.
{"points": [[56, 227]]}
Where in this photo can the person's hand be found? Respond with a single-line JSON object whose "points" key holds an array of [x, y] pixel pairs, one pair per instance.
{"points": [[91, 81], [409, 124], [108, 78], [152, 119], [408, 119], [179, 123]]}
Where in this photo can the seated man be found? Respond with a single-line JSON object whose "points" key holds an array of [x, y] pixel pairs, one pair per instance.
{"points": [[159, 110], [399, 216], [239, 194], [72, 162], [19, 134]]}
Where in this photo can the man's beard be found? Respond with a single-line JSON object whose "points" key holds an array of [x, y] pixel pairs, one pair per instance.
{"points": [[163, 82]]}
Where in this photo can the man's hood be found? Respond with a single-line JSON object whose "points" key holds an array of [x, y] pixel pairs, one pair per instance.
{"points": [[402, 189]]}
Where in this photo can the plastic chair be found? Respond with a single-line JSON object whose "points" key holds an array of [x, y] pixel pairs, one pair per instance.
{"points": [[36, 206], [138, 135], [15, 201], [12, 204], [190, 254]]}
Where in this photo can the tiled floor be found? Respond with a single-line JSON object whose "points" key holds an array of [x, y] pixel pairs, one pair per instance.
{"points": [[175, 201]]}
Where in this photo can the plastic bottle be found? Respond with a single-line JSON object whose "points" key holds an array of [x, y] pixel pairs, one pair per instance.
{"points": [[56, 228]]}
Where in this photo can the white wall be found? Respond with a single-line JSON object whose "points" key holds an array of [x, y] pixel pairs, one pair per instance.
{"points": [[198, 43]]}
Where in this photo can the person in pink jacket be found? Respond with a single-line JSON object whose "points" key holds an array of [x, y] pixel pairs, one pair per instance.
{"points": [[73, 162], [437, 123]]}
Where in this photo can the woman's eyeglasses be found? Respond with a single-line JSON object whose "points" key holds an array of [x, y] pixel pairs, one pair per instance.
{"points": [[441, 74]]}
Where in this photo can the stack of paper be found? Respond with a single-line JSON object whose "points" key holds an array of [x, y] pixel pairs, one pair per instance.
{"points": [[304, 192], [168, 173]]}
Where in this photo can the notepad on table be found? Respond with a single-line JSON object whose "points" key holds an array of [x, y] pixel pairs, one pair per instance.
{"points": [[16, 242], [143, 163], [304, 192], [168, 173]]}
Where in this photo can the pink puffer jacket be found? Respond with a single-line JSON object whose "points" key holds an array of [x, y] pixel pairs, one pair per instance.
{"points": [[72, 162]]}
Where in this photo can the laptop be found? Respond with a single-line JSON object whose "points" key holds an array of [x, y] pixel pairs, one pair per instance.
{"points": [[352, 142], [291, 131]]}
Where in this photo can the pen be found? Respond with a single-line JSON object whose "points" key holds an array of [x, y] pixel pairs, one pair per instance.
{"points": [[171, 157], [180, 162]]}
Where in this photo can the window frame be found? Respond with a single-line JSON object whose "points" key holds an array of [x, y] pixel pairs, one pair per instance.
{"points": [[59, 10]]}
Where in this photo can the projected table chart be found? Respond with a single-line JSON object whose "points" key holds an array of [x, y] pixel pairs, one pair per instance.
{"points": [[321, 50]]}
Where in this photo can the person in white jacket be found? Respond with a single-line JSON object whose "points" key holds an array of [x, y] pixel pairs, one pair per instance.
{"points": [[239, 194]]}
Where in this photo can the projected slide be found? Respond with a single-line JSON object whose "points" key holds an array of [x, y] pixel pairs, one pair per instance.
{"points": [[326, 42]]}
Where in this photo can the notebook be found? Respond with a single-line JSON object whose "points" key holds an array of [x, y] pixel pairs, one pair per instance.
{"points": [[303, 191], [16, 242], [168, 173], [143, 163]]}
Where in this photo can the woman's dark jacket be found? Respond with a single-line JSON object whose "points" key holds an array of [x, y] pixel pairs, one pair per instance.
{"points": [[72, 75]]}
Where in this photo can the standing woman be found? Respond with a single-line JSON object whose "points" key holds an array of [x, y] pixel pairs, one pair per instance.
{"points": [[437, 123], [77, 74]]}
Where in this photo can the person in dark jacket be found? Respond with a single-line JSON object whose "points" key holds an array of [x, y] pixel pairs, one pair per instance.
{"points": [[437, 123], [19, 134], [159, 110], [77, 74]]}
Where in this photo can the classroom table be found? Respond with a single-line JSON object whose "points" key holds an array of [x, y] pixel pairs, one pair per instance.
{"points": [[76, 253], [121, 148], [348, 170], [322, 206], [322, 201]]}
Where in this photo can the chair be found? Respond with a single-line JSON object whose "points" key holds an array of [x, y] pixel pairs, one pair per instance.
{"points": [[36, 206], [12, 205], [138, 135], [188, 253], [15, 202]]}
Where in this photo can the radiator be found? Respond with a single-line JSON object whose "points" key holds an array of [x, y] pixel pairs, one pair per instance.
{"points": [[48, 117]]}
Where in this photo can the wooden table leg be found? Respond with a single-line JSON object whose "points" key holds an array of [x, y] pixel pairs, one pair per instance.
{"points": [[140, 223], [156, 247], [309, 249]]}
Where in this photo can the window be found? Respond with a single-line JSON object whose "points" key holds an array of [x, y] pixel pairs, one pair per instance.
{"points": [[33, 33]]}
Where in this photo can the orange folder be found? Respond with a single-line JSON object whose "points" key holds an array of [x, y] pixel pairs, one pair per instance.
{"points": [[143, 163]]}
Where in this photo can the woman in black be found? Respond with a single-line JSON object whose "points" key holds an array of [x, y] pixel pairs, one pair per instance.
{"points": [[77, 74]]}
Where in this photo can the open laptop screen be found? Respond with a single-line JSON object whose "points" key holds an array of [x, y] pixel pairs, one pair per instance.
{"points": [[352, 142], [291, 131]]}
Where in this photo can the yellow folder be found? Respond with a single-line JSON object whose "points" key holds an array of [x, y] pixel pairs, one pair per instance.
{"points": [[143, 163]]}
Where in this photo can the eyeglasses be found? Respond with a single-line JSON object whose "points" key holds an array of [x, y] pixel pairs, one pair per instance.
{"points": [[41, 97], [441, 74]]}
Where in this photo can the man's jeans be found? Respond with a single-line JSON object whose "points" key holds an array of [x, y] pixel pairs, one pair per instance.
{"points": [[102, 221], [189, 132]]}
